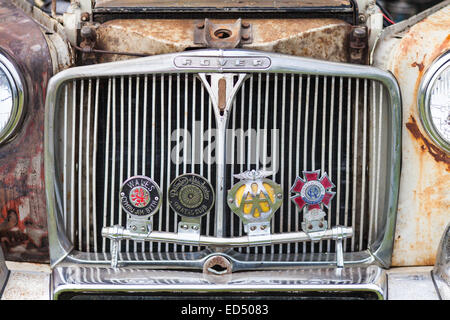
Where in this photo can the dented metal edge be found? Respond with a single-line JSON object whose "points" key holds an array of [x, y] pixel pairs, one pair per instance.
{"points": [[382, 250], [395, 29]]}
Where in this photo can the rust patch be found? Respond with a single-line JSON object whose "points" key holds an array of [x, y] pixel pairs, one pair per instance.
{"points": [[222, 94], [419, 65], [21, 236], [438, 154], [217, 265], [316, 38]]}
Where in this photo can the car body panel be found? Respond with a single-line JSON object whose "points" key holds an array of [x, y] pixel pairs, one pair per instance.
{"points": [[23, 211], [424, 200]]}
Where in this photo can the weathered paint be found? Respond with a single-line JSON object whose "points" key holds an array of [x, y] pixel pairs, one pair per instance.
{"points": [[23, 215], [424, 201], [317, 38]]}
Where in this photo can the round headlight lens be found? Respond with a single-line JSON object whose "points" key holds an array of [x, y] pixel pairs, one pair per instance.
{"points": [[11, 99], [6, 100], [440, 104], [434, 101]]}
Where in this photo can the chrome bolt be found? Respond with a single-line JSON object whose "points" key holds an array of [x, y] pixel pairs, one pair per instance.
{"points": [[184, 226], [195, 227], [263, 227], [134, 228], [85, 16], [253, 228]]}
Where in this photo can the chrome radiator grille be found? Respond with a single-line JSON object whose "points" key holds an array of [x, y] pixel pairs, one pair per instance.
{"points": [[118, 127], [328, 123], [109, 126], [128, 126]]}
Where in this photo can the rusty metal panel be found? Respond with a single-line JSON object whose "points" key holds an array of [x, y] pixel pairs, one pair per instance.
{"points": [[424, 202], [317, 38], [23, 215]]}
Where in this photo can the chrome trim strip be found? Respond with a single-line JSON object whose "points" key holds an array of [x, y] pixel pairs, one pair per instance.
{"points": [[279, 64]]}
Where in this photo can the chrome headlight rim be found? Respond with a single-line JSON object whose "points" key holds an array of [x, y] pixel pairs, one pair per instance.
{"points": [[424, 99], [18, 96]]}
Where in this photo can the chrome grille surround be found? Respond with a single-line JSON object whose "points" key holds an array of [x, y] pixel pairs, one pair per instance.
{"points": [[378, 249]]}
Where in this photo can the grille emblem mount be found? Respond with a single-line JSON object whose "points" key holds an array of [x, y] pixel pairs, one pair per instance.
{"points": [[313, 193], [191, 196], [255, 200], [140, 196]]}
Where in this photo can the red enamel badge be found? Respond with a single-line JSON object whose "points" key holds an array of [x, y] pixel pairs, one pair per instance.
{"points": [[312, 191]]}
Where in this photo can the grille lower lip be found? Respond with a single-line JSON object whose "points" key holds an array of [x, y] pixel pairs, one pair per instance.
{"points": [[101, 281], [90, 84]]}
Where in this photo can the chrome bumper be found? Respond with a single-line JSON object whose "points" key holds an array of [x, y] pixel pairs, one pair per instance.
{"points": [[358, 282]]}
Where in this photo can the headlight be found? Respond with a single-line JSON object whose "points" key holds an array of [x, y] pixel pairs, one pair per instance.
{"points": [[434, 101], [11, 99]]}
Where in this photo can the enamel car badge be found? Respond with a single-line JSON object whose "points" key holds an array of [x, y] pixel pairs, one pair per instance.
{"points": [[140, 196], [255, 199], [191, 195], [313, 193]]}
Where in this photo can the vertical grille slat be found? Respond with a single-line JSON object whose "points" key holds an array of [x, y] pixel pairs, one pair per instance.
{"points": [[72, 171], [162, 126], [355, 160], [94, 167], [88, 168]]}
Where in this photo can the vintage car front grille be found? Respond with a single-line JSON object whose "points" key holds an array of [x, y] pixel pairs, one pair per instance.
{"points": [[108, 128]]}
